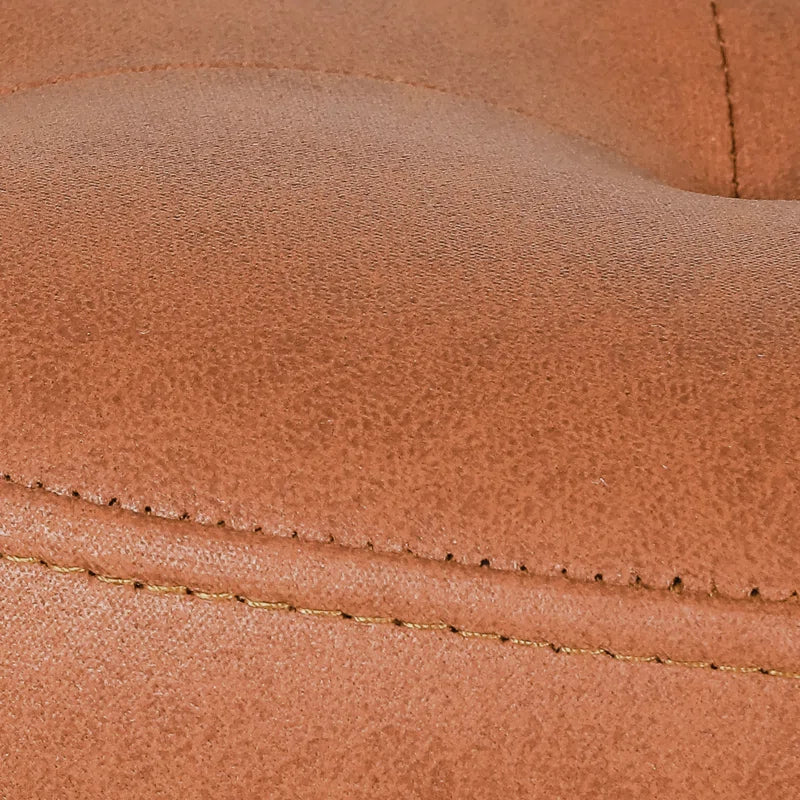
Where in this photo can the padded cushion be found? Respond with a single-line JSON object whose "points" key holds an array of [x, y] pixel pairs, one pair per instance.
{"points": [[400, 403]]}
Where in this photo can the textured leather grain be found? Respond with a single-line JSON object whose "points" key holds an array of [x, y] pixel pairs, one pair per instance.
{"points": [[392, 405]]}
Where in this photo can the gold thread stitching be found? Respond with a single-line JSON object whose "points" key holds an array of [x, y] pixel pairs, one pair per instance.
{"points": [[185, 591]]}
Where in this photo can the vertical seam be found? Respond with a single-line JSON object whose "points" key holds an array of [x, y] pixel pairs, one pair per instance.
{"points": [[723, 52]]}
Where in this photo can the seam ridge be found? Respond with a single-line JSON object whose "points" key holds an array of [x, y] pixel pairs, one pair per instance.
{"points": [[676, 586], [255, 64], [723, 52], [181, 590]]}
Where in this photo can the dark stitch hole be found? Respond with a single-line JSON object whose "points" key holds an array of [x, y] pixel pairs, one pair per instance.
{"points": [[754, 592], [331, 539], [599, 577], [76, 493], [239, 598], [523, 568], [504, 638], [676, 585], [398, 622], [90, 572], [257, 529], [453, 629], [291, 608], [448, 557], [485, 562], [713, 666], [113, 501], [39, 485], [555, 648], [658, 660], [763, 671], [637, 580], [295, 534], [147, 509], [138, 585], [345, 615], [183, 516], [221, 523], [369, 546], [189, 591], [6, 477]]}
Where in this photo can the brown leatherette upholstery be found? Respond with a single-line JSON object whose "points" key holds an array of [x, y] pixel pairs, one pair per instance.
{"points": [[399, 400]]}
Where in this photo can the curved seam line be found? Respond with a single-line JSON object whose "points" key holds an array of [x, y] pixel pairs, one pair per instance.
{"points": [[57, 80], [279, 605], [7, 91], [485, 563], [723, 51]]}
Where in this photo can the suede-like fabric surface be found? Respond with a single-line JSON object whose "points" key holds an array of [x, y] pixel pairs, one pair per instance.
{"points": [[399, 399]]}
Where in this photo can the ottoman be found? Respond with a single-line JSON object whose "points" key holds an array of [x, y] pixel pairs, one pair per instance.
{"points": [[399, 399]]}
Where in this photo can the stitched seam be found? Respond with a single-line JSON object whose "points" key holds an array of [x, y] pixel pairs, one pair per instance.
{"points": [[280, 605], [636, 581], [723, 52], [56, 80]]}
